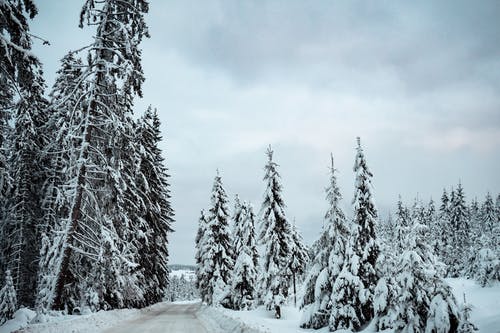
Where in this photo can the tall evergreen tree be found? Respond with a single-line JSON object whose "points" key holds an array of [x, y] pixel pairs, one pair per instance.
{"points": [[276, 237], [217, 255], [327, 261], [96, 262], [157, 214], [244, 276], [65, 106], [21, 174], [365, 242]]}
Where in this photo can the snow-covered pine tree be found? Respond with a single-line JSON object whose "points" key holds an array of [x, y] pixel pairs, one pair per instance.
{"points": [[348, 295], [276, 237], [25, 106], [299, 258], [8, 299], [460, 228], [432, 221], [444, 227], [327, 261], [96, 233], [201, 268], [218, 253], [65, 105], [244, 276], [466, 326], [484, 262], [19, 69], [365, 242], [402, 222], [424, 301], [156, 214]]}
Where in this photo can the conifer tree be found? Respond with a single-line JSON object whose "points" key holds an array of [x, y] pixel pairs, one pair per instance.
{"points": [[244, 276], [201, 268], [298, 259], [21, 173], [217, 255], [348, 292], [99, 225], [444, 226], [327, 260], [157, 214], [365, 242], [8, 299], [276, 238], [460, 228]]}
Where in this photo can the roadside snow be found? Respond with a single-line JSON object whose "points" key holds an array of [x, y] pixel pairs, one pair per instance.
{"points": [[216, 321]]}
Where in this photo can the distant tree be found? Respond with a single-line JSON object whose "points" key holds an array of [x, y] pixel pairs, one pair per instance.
{"points": [[8, 299], [364, 241], [244, 276], [327, 260], [276, 237], [460, 228]]}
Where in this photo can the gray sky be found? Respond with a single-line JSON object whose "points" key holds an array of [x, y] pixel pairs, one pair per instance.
{"points": [[418, 81]]}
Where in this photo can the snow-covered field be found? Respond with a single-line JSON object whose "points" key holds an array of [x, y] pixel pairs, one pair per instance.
{"points": [[485, 315]]}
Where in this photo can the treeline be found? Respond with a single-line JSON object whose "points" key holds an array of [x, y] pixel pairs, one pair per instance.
{"points": [[361, 270], [84, 195], [464, 236]]}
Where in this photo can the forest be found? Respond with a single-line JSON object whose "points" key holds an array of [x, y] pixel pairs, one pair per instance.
{"points": [[86, 213]]}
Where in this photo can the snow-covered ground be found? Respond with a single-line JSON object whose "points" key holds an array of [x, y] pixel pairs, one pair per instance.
{"points": [[485, 314], [486, 301]]}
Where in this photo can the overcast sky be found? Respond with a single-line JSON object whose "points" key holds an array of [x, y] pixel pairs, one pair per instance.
{"points": [[419, 82]]}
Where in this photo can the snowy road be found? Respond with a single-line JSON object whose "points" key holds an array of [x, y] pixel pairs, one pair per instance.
{"points": [[171, 318]]}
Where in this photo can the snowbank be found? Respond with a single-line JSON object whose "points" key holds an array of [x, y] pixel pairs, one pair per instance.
{"points": [[88, 323], [215, 320]]}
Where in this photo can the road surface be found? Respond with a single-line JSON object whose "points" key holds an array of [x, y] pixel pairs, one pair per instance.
{"points": [[171, 318]]}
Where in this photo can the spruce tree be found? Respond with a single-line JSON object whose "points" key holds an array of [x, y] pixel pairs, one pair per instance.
{"points": [[327, 260], [276, 237], [218, 253], [8, 299], [444, 227], [96, 261], [365, 242], [460, 228], [348, 292], [244, 276], [157, 214], [424, 301], [22, 105], [298, 260], [201, 267]]}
